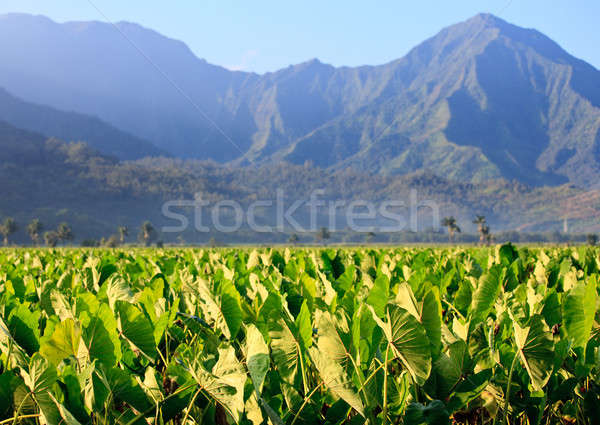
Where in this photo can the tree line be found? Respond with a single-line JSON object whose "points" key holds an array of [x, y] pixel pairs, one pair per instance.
{"points": [[485, 235], [148, 235], [64, 234]]}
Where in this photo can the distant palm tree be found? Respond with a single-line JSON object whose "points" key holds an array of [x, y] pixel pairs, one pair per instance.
{"points": [[8, 228], [123, 233], [370, 236], [482, 228], [450, 224], [293, 239], [111, 242], [147, 233], [51, 238], [34, 229], [64, 232], [323, 234], [486, 236]]}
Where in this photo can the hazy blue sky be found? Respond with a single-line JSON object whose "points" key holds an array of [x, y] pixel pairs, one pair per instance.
{"points": [[267, 35]]}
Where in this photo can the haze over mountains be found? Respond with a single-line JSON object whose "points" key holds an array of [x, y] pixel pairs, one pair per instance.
{"points": [[482, 99], [72, 126]]}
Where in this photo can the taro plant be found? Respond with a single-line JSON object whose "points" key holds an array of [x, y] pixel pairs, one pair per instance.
{"points": [[494, 335]]}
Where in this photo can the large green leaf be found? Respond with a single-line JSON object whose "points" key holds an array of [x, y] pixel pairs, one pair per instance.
{"points": [[222, 308], [304, 325], [61, 305], [74, 380], [117, 289], [121, 387], [136, 327], [40, 376], [379, 293], [64, 342], [285, 347], [100, 336], [40, 379], [257, 357], [408, 341], [24, 326], [224, 383], [536, 350], [435, 413], [447, 370], [431, 318], [11, 348], [485, 296], [428, 312], [334, 362], [579, 309]]}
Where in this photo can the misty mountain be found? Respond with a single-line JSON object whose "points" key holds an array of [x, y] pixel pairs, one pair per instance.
{"points": [[482, 99], [74, 127], [118, 74]]}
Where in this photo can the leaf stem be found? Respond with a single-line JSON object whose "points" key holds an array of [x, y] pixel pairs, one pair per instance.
{"points": [[507, 396], [305, 402], [385, 378], [5, 421], [454, 309], [190, 405], [18, 412]]}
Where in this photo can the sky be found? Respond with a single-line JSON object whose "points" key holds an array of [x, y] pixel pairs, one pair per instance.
{"points": [[266, 35]]}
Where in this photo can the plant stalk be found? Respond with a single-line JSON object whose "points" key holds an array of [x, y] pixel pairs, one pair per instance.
{"points": [[507, 396]]}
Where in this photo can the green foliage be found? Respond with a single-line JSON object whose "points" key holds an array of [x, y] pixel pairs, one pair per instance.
{"points": [[344, 336], [55, 181]]}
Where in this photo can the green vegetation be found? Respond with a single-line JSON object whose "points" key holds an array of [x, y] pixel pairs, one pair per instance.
{"points": [[297, 336], [55, 182]]}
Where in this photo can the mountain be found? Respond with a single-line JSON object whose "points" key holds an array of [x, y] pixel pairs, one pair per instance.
{"points": [[73, 126], [118, 75], [481, 100], [55, 181]]}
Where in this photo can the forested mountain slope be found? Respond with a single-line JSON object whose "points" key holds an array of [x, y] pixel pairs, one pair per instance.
{"points": [[482, 99]]}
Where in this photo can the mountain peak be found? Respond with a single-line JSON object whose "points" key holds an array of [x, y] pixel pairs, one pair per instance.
{"points": [[310, 65], [485, 22], [488, 19], [484, 28], [311, 62]]}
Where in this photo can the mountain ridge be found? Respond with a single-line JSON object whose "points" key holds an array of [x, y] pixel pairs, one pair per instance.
{"points": [[482, 99], [74, 127]]}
